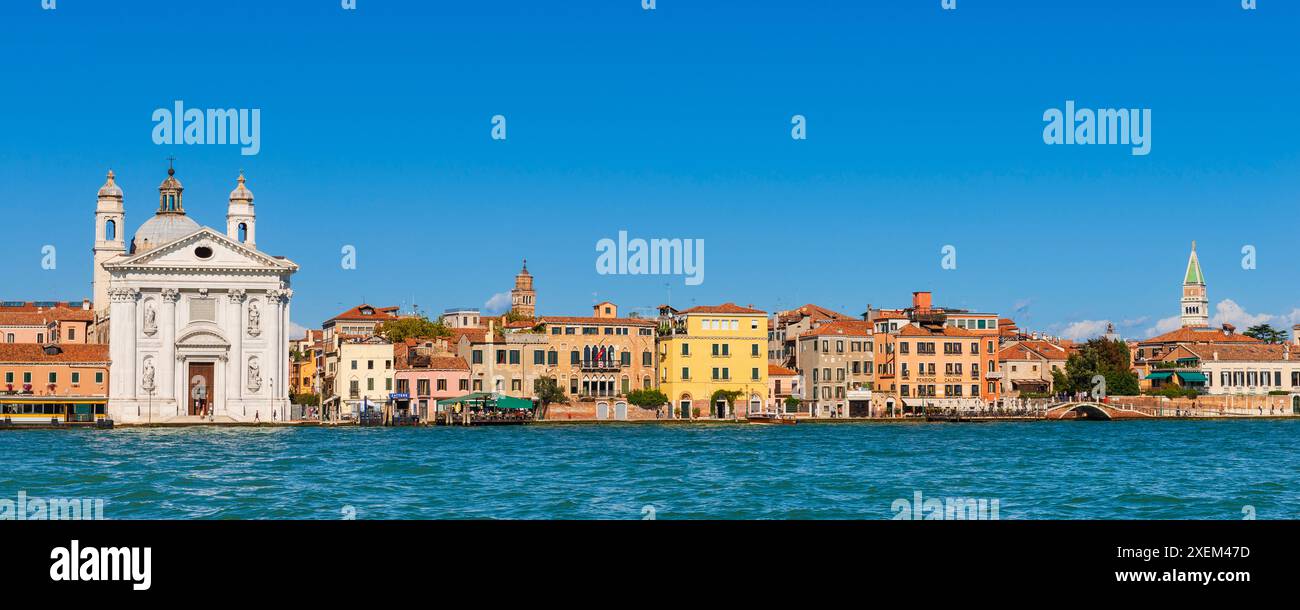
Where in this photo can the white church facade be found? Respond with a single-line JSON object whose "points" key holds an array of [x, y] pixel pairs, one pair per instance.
{"points": [[197, 320]]}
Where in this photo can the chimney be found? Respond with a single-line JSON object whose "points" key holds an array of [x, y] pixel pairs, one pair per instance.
{"points": [[1295, 335], [1216, 355], [922, 300]]}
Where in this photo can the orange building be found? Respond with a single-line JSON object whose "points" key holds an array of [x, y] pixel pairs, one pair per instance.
{"points": [[936, 357], [67, 370]]}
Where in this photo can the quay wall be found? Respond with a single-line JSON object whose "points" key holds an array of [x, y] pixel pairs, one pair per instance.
{"points": [[589, 410], [1227, 405]]}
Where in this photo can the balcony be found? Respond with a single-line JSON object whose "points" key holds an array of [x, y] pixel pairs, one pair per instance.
{"points": [[599, 365]]}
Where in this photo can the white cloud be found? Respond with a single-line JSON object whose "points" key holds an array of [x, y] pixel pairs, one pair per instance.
{"points": [[1165, 325], [499, 303], [296, 330], [1229, 311], [1084, 329]]}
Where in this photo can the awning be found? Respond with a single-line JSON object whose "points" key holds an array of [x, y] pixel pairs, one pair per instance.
{"points": [[1161, 375], [510, 402], [488, 400], [1192, 377]]}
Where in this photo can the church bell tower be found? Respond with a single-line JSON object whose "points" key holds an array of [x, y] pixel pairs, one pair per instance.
{"points": [[109, 242], [1195, 302], [523, 300], [241, 223]]}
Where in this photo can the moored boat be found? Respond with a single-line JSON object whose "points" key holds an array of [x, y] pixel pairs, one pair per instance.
{"points": [[771, 419]]}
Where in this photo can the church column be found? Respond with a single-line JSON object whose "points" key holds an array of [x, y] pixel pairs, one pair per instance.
{"points": [[131, 333], [235, 364], [271, 364], [167, 354], [284, 355]]}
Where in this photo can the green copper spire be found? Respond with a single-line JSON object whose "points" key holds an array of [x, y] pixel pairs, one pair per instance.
{"points": [[1194, 275]]}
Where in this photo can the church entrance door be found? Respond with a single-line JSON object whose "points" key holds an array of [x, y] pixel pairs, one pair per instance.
{"points": [[201, 375]]}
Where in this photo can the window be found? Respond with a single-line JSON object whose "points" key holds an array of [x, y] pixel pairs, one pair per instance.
{"points": [[552, 358], [370, 365], [514, 356], [686, 373], [647, 358], [686, 349], [9, 338], [754, 373], [463, 385], [516, 385], [72, 334], [76, 378], [54, 377], [40, 337], [9, 377], [539, 357], [370, 383], [477, 356], [501, 356], [625, 358], [575, 357]]}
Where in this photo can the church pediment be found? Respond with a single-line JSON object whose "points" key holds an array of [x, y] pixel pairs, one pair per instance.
{"points": [[203, 249]]}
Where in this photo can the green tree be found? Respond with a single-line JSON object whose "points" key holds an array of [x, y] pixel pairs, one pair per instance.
{"points": [[648, 398], [1266, 333], [548, 391], [792, 404], [414, 327], [1099, 356]]}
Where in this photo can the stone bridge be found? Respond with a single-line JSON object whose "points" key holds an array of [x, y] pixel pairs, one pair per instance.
{"points": [[1098, 411]]}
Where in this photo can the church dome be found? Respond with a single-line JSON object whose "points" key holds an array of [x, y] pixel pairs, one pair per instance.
{"points": [[162, 229], [110, 188]]}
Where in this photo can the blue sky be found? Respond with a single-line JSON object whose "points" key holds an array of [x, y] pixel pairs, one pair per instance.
{"points": [[924, 129]]}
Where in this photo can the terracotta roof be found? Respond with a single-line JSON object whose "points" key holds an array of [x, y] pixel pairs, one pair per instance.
{"points": [[723, 308], [593, 320], [773, 369], [71, 352], [843, 328], [23, 317], [380, 314], [912, 330], [1199, 335], [1246, 353], [817, 312], [1048, 349], [1033, 350]]}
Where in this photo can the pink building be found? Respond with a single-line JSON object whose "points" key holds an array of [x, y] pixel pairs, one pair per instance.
{"points": [[426, 373], [46, 322]]}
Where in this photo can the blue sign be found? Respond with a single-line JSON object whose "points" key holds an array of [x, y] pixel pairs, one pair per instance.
{"points": [[399, 396]]}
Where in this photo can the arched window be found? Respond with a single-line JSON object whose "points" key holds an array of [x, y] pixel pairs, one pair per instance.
{"points": [[110, 230], [243, 232]]}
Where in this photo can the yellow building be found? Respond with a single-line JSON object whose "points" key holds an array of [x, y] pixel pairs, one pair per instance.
{"points": [[709, 348]]}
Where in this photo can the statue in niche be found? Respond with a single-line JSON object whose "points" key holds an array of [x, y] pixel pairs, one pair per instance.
{"points": [[254, 320], [146, 378], [254, 375], [150, 319]]}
